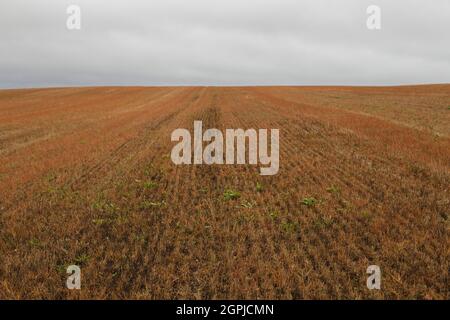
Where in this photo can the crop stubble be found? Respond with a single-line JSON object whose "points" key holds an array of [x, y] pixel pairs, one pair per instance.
{"points": [[86, 178]]}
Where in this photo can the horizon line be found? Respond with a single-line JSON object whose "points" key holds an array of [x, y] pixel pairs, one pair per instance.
{"points": [[220, 85]]}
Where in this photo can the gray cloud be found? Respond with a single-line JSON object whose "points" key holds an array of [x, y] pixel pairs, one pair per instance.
{"points": [[170, 42]]}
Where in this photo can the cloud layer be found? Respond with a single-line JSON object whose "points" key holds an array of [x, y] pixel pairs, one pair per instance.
{"points": [[217, 42]]}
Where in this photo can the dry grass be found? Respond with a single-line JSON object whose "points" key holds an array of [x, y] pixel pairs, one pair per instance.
{"points": [[86, 178]]}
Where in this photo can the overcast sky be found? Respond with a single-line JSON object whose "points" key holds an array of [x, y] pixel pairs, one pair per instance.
{"points": [[223, 42]]}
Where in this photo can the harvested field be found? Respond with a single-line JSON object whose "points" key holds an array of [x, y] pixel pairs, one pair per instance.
{"points": [[86, 178]]}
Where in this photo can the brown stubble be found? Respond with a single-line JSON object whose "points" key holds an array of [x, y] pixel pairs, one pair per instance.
{"points": [[382, 198]]}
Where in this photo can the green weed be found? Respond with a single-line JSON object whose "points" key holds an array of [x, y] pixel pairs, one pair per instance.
{"points": [[290, 227], [309, 202], [81, 259], [150, 185], [259, 187], [333, 189], [231, 195]]}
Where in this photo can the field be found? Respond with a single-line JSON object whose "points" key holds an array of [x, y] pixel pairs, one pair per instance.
{"points": [[86, 178]]}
